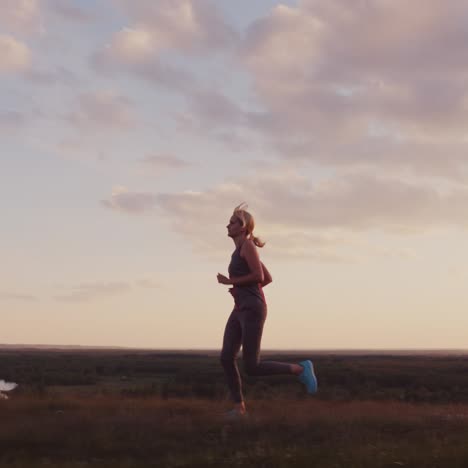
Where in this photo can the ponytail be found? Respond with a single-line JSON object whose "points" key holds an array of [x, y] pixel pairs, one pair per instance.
{"points": [[257, 241]]}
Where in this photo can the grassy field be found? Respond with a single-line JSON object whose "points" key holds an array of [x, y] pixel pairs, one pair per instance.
{"points": [[141, 409]]}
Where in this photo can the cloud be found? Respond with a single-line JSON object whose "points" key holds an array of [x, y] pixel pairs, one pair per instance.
{"points": [[132, 45], [303, 245], [154, 71], [158, 28], [68, 10], [14, 55], [214, 108], [11, 120], [342, 81], [8, 296], [104, 109], [90, 291], [212, 113], [317, 216], [20, 15], [149, 284], [129, 202], [183, 25], [76, 149], [87, 292], [158, 163], [59, 75]]}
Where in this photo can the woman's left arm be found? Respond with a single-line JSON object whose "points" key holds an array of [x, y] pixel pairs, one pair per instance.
{"points": [[252, 258], [267, 277]]}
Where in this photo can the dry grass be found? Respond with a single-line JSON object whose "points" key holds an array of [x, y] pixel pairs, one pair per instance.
{"points": [[123, 432], [143, 409]]}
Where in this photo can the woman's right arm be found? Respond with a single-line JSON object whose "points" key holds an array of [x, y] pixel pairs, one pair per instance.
{"points": [[267, 279]]}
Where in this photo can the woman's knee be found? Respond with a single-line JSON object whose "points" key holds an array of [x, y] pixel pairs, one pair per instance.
{"points": [[226, 358], [251, 367]]}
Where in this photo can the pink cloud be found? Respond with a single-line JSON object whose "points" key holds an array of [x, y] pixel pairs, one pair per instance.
{"points": [[328, 72], [186, 25], [15, 56], [11, 120], [162, 162], [86, 292], [104, 109], [129, 202], [20, 16], [325, 212], [154, 28]]}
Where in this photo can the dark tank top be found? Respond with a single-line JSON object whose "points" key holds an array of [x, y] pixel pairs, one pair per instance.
{"points": [[240, 267]]}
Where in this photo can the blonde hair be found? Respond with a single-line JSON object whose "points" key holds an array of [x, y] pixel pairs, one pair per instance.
{"points": [[248, 222]]}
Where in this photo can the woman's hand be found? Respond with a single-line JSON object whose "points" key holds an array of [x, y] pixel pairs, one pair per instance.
{"points": [[267, 279], [223, 279]]}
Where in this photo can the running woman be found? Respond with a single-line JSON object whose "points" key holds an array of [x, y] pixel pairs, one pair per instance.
{"points": [[248, 276]]}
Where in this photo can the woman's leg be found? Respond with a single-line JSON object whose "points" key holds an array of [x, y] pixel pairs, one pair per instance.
{"points": [[252, 321], [231, 345]]}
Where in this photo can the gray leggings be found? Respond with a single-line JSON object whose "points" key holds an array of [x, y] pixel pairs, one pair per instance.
{"points": [[244, 328]]}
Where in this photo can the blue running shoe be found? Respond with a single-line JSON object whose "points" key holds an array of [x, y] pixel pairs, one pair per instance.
{"points": [[307, 377], [235, 415]]}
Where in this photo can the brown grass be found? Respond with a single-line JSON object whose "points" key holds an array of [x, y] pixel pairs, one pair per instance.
{"points": [[123, 432]]}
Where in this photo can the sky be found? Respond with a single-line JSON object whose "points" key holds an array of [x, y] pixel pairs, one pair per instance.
{"points": [[129, 131]]}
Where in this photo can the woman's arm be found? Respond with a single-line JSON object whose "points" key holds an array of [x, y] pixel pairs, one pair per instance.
{"points": [[256, 275], [266, 275], [250, 254]]}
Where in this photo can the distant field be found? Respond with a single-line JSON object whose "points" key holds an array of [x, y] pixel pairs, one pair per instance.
{"points": [[126, 408]]}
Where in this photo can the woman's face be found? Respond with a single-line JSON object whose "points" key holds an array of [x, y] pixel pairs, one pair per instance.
{"points": [[234, 227]]}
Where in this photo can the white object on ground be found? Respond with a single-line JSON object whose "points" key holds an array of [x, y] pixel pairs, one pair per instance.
{"points": [[6, 387]]}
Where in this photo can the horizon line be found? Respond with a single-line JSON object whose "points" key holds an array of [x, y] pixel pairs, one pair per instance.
{"points": [[199, 349]]}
